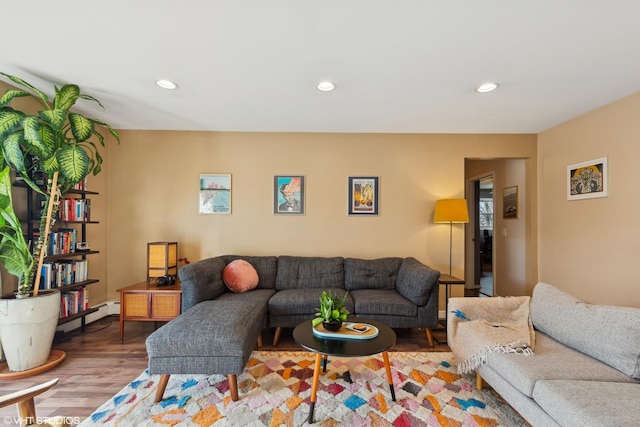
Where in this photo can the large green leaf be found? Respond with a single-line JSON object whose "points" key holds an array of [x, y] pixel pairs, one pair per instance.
{"points": [[12, 152], [50, 165], [95, 159], [5, 201], [55, 118], [91, 98], [74, 163], [14, 251], [33, 137], [5, 185], [9, 120], [66, 97], [48, 137], [111, 130], [10, 95], [12, 258], [43, 96], [81, 127]]}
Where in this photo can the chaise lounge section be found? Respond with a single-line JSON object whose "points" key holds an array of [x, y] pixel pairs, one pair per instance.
{"points": [[213, 337]]}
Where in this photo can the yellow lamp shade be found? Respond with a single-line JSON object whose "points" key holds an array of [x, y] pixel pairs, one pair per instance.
{"points": [[162, 259], [451, 211]]}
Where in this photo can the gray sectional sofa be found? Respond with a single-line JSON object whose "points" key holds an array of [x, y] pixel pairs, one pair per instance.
{"points": [[585, 367], [217, 329], [399, 292]]}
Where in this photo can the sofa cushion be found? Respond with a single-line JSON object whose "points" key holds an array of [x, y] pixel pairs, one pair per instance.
{"points": [[301, 301], [240, 276], [209, 329], [382, 302], [551, 360], [256, 295], [266, 266], [607, 333], [309, 272], [212, 337], [416, 280], [589, 403], [378, 273]]}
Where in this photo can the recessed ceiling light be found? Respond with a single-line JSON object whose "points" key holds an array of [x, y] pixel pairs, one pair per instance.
{"points": [[487, 87], [326, 86], [166, 84]]}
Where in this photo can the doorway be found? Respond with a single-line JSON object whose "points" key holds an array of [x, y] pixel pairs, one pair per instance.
{"points": [[483, 221]]}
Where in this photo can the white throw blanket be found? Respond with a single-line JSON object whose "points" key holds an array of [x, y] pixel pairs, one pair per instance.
{"points": [[478, 327]]}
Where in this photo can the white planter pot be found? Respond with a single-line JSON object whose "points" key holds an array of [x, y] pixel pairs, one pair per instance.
{"points": [[27, 328]]}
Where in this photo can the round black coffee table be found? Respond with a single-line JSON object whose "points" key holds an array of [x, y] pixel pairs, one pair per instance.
{"points": [[324, 347]]}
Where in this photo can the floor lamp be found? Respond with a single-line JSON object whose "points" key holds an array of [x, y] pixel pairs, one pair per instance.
{"points": [[451, 211]]}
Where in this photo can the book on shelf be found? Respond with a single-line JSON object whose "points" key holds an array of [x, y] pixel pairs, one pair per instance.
{"points": [[64, 273], [80, 186], [62, 241], [73, 302], [74, 209]]}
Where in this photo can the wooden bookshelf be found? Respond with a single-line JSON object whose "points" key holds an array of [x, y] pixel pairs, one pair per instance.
{"points": [[32, 220]]}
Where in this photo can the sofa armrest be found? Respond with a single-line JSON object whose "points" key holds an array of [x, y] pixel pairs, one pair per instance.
{"points": [[416, 281], [201, 281], [492, 310], [477, 327]]}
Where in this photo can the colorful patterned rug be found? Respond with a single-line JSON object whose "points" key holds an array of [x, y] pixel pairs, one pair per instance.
{"points": [[275, 390]]}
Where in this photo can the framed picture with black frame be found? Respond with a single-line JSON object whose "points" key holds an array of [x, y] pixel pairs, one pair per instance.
{"points": [[363, 195]]}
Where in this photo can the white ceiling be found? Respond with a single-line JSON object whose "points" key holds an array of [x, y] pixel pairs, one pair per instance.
{"points": [[400, 66]]}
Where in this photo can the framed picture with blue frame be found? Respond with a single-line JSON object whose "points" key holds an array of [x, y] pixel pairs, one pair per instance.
{"points": [[288, 195]]}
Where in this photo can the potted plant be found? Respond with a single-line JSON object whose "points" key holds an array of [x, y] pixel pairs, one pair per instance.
{"points": [[57, 144], [331, 312]]}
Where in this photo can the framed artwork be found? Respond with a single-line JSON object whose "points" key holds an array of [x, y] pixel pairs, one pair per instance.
{"points": [[288, 195], [215, 193], [510, 202], [363, 195], [588, 180]]}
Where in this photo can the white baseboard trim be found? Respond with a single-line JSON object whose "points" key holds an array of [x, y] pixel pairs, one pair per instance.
{"points": [[104, 309]]}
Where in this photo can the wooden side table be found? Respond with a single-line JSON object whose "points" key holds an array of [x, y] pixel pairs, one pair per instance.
{"points": [[146, 302]]}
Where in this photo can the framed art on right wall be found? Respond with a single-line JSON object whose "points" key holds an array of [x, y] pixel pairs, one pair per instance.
{"points": [[588, 180], [510, 202]]}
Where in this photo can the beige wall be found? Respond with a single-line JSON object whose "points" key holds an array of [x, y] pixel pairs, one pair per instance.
{"points": [[590, 247], [153, 194]]}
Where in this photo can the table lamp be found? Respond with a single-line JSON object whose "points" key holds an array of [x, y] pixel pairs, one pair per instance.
{"points": [[162, 259], [451, 211]]}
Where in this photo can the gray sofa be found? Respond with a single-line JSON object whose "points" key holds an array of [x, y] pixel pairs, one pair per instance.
{"points": [[585, 367], [399, 292]]}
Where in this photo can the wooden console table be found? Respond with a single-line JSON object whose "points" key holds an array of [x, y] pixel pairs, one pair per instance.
{"points": [[146, 302]]}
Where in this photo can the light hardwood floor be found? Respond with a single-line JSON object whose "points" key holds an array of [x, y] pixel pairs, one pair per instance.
{"points": [[98, 365]]}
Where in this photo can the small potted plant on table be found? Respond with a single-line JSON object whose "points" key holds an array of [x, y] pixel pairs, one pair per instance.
{"points": [[331, 312]]}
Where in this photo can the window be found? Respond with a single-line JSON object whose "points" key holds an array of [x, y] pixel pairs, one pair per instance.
{"points": [[486, 214]]}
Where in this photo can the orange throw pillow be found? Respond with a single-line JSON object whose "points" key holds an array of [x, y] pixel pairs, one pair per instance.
{"points": [[240, 276]]}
